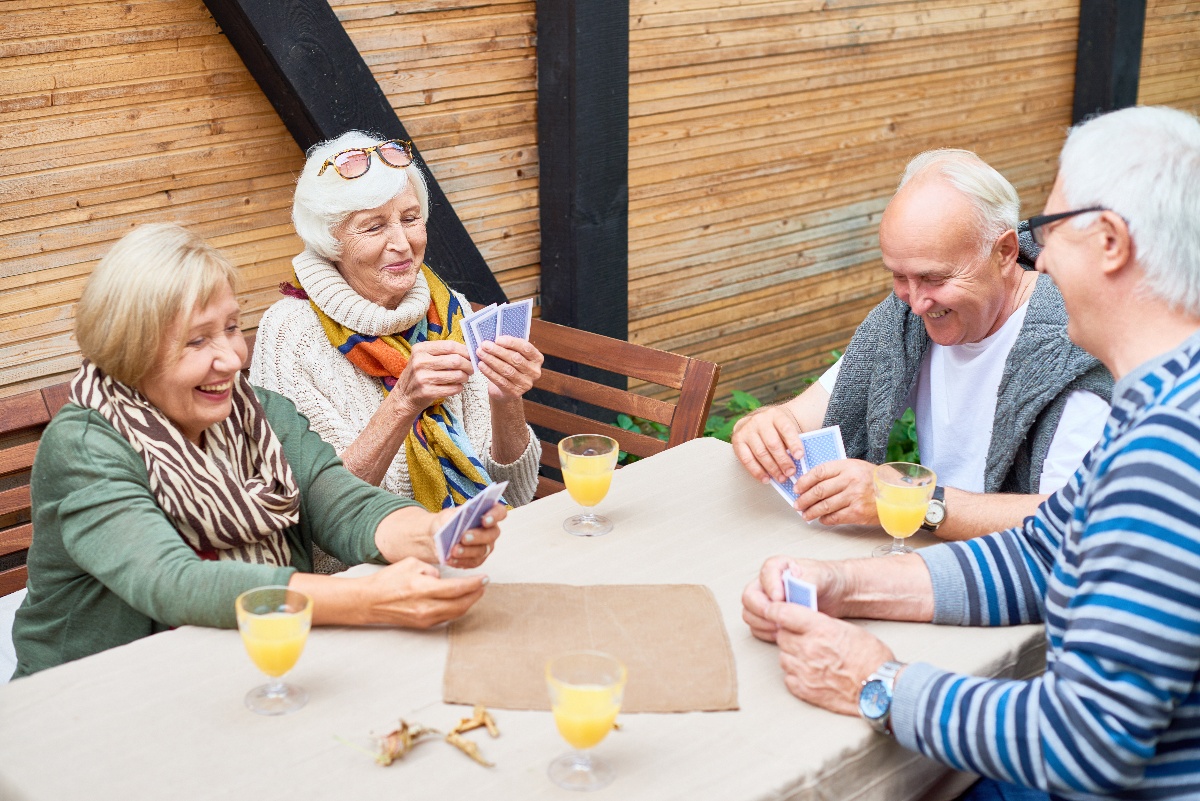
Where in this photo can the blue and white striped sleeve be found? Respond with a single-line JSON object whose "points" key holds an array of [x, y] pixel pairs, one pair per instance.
{"points": [[1122, 613]]}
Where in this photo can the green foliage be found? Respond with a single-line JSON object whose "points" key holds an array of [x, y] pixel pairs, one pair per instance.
{"points": [[640, 426], [720, 424], [902, 441]]}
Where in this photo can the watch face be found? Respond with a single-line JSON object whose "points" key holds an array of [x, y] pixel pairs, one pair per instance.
{"points": [[935, 514], [874, 700]]}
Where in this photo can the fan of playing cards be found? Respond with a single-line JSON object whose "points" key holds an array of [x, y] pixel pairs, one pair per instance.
{"points": [[820, 446], [469, 516], [507, 319]]}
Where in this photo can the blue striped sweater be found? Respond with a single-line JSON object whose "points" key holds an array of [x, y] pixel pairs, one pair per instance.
{"points": [[1111, 565]]}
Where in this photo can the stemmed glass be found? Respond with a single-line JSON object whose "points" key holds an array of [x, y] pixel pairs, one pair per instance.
{"points": [[586, 689], [587, 462], [274, 622], [902, 493]]}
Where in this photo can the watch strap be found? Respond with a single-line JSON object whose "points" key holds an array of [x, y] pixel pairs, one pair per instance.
{"points": [[939, 495], [885, 674]]}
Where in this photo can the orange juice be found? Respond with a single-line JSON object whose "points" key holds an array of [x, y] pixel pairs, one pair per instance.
{"points": [[902, 509], [588, 478], [274, 641], [585, 713]]}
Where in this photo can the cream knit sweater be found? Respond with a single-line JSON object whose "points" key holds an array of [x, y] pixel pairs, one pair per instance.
{"points": [[292, 356]]}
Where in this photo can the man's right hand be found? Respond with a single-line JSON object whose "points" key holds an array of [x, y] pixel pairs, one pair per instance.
{"points": [[767, 589], [765, 442]]}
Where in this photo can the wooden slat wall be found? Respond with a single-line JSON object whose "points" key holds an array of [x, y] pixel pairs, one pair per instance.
{"points": [[1170, 73], [113, 114], [462, 77], [766, 136]]}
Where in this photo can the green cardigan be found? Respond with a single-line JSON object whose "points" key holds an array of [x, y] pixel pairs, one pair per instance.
{"points": [[107, 566]]}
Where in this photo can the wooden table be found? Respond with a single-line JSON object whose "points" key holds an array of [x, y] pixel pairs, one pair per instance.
{"points": [[163, 717]]}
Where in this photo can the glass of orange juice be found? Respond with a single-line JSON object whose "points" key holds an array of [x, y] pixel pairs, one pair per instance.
{"points": [[902, 493], [588, 462], [586, 689], [274, 622]]}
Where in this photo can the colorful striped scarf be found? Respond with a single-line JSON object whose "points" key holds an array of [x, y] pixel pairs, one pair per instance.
{"points": [[442, 464]]}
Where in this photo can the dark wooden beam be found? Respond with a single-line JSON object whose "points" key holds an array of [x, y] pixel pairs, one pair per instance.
{"points": [[583, 157], [314, 76], [1109, 56]]}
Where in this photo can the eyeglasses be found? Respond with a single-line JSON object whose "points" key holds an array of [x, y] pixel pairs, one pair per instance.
{"points": [[355, 162], [1037, 224]]}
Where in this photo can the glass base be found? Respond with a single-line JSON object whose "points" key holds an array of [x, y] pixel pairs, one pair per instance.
{"points": [[276, 698], [578, 771], [587, 525], [894, 548]]}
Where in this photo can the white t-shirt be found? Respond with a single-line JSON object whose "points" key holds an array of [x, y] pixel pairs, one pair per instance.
{"points": [[955, 405]]}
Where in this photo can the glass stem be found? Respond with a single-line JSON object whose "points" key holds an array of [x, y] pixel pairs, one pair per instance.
{"points": [[275, 687], [583, 761]]}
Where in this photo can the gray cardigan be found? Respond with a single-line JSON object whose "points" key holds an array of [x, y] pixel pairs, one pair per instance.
{"points": [[883, 361]]}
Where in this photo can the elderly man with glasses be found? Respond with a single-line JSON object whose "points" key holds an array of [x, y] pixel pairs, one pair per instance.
{"points": [[970, 340], [1110, 563]]}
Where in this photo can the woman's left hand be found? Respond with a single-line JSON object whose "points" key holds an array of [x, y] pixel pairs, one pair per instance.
{"points": [[510, 365], [476, 544]]}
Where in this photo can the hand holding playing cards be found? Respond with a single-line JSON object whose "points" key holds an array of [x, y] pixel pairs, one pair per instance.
{"points": [[511, 366], [767, 589], [437, 369], [411, 593], [838, 493], [474, 545], [825, 660], [766, 441]]}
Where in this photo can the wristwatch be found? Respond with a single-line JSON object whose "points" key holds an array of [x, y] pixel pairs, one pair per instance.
{"points": [[875, 697], [935, 514]]}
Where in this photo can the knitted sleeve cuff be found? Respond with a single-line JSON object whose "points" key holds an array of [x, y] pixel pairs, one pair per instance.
{"points": [[521, 474], [948, 573]]}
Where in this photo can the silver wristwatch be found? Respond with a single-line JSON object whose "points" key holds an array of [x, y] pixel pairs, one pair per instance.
{"points": [[875, 697], [935, 514]]}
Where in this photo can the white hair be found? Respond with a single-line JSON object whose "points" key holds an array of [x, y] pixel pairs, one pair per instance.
{"points": [[323, 202], [997, 207], [1144, 164]]}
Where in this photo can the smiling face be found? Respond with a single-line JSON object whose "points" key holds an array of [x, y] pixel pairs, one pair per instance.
{"points": [[930, 241], [382, 249], [192, 380]]}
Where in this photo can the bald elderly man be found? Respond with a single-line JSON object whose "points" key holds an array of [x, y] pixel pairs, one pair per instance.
{"points": [[1006, 406]]}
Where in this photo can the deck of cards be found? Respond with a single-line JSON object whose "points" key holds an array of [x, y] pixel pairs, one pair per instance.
{"points": [[507, 319], [799, 591], [469, 516], [820, 446]]}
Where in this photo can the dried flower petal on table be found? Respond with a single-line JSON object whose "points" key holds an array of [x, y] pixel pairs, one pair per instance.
{"points": [[395, 744], [469, 748]]}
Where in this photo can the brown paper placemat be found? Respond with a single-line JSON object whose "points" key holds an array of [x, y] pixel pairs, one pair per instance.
{"points": [[670, 636]]}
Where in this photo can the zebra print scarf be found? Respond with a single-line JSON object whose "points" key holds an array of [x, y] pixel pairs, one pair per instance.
{"points": [[234, 496]]}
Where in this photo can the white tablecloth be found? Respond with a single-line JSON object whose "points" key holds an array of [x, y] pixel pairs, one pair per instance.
{"points": [[163, 717]]}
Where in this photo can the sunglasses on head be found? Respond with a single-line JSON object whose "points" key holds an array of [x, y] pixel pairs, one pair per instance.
{"points": [[355, 162]]}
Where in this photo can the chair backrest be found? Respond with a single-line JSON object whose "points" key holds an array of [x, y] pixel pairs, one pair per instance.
{"points": [[22, 419], [695, 379]]}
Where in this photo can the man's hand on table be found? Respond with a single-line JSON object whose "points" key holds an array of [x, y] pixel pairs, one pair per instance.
{"points": [[825, 660], [765, 442], [838, 493]]}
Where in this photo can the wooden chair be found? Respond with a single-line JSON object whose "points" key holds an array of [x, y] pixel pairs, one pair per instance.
{"points": [[695, 379], [22, 419]]}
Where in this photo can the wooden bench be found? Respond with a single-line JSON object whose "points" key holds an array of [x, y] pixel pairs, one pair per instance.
{"points": [[23, 418]]}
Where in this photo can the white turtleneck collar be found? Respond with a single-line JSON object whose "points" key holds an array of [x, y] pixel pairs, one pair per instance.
{"points": [[334, 296]]}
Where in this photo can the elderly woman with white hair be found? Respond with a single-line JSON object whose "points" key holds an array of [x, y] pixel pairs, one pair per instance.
{"points": [[369, 343], [167, 485]]}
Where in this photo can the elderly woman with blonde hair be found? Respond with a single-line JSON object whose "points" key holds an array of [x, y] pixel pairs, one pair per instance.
{"points": [[368, 342], [167, 485]]}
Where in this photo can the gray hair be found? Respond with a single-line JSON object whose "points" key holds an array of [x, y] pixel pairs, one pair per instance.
{"points": [[1144, 164], [997, 207], [323, 202]]}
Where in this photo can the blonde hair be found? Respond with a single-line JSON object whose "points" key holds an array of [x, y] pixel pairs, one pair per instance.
{"points": [[323, 202], [152, 276]]}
